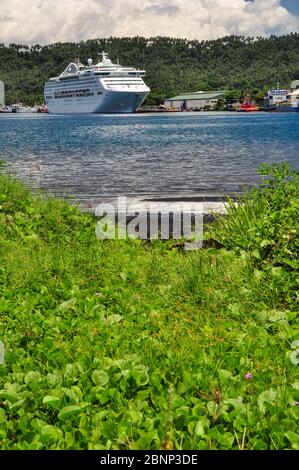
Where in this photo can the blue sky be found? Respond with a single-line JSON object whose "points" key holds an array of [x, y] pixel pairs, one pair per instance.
{"points": [[291, 5], [48, 21]]}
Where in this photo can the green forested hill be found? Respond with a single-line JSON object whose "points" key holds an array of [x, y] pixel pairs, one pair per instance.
{"points": [[172, 65]]}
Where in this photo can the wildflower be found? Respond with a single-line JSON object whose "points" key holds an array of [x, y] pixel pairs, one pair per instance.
{"points": [[248, 376], [296, 403], [98, 294]]}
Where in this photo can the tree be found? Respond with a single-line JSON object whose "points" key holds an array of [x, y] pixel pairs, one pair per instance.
{"points": [[173, 66]]}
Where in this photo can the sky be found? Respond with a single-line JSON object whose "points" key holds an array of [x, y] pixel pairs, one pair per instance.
{"points": [[291, 5], [49, 21]]}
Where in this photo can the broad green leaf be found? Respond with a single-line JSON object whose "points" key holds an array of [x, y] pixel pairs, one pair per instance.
{"points": [[67, 305], [32, 376], [98, 417], [16, 406], [216, 410], [69, 412], [225, 375], [111, 319], [51, 400], [295, 385], [50, 434], [295, 357], [140, 376], [202, 427], [54, 379], [100, 377], [2, 416], [268, 396], [2, 432], [226, 440], [256, 254], [10, 395], [293, 437]]}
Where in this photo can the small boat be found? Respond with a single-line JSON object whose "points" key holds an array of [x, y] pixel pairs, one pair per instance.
{"points": [[248, 106], [5, 110], [41, 109]]}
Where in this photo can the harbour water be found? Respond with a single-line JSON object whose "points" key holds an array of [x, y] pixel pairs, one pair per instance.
{"points": [[159, 156]]}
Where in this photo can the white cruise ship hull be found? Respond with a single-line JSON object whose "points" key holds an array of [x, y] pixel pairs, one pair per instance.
{"points": [[110, 102]]}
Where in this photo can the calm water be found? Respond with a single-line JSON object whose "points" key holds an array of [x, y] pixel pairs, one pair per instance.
{"points": [[96, 157]]}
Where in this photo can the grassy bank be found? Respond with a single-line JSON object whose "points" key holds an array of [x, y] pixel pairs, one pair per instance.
{"points": [[120, 345]]}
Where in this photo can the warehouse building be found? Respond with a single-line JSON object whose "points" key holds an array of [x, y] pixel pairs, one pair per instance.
{"points": [[2, 95], [197, 101]]}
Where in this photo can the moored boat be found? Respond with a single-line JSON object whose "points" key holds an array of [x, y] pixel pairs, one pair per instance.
{"points": [[248, 106], [282, 101], [5, 110]]}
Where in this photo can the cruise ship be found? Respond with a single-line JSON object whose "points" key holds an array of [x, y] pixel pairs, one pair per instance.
{"points": [[101, 88]]}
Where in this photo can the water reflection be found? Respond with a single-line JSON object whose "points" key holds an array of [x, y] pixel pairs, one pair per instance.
{"points": [[94, 157]]}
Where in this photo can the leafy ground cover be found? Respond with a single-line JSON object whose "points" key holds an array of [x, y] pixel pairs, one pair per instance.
{"points": [[121, 345]]}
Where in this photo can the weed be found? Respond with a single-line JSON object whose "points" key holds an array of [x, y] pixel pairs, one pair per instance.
{"points": [[117, 345]]}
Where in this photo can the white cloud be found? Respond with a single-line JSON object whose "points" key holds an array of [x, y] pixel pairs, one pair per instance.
{"points": [[47, 21]]}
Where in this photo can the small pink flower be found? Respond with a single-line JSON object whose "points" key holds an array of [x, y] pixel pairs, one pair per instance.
{"points": [[248, 376], [296, 403]]}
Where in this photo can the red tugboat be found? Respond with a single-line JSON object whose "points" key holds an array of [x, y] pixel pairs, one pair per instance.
{"points": [[248, 106]]}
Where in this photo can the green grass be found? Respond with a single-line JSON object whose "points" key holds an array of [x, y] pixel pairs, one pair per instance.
{"points": [[122, 345]]}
